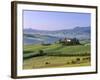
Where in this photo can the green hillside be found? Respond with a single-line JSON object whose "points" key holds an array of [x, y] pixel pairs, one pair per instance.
{"points": [[56, 50], [56, 55]]}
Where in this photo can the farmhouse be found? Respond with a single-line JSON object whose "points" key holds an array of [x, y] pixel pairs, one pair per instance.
{"points": [[69, 41]]}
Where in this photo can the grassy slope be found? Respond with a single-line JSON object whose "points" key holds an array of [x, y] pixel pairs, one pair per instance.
{"points": [[56, 49], [55, 61]]}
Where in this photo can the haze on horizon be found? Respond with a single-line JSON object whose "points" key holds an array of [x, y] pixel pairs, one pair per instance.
{"points": [[43, 20]]}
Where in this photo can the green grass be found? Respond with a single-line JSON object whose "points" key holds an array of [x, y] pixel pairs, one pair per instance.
{"points": [[75, 49], [56, 54], [54, 61], [57, 49]]}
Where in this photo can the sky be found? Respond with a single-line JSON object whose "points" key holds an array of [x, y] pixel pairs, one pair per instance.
{"points": [[47, 20]]}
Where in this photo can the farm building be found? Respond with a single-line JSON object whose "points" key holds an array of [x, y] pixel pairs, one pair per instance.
{"points": [[69, 41]]}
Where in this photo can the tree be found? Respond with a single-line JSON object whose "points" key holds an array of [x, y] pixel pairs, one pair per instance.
{"points": [[41, 53], [75, 41]]}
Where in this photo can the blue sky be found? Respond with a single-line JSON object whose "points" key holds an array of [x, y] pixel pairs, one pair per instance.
{"points": [[42, 20]]}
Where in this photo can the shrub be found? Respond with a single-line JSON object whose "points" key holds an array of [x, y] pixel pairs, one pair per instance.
{"points": [[78, 59], [47, 63]]}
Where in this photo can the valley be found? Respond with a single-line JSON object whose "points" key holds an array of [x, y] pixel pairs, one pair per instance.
{"points": [[45, 49]]}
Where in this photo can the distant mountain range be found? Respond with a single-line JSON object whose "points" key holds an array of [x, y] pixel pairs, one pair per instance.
{"points": [[32, 36]]}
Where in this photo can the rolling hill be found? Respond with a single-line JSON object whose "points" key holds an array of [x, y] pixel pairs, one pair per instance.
{"points": [[32, 36]]}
